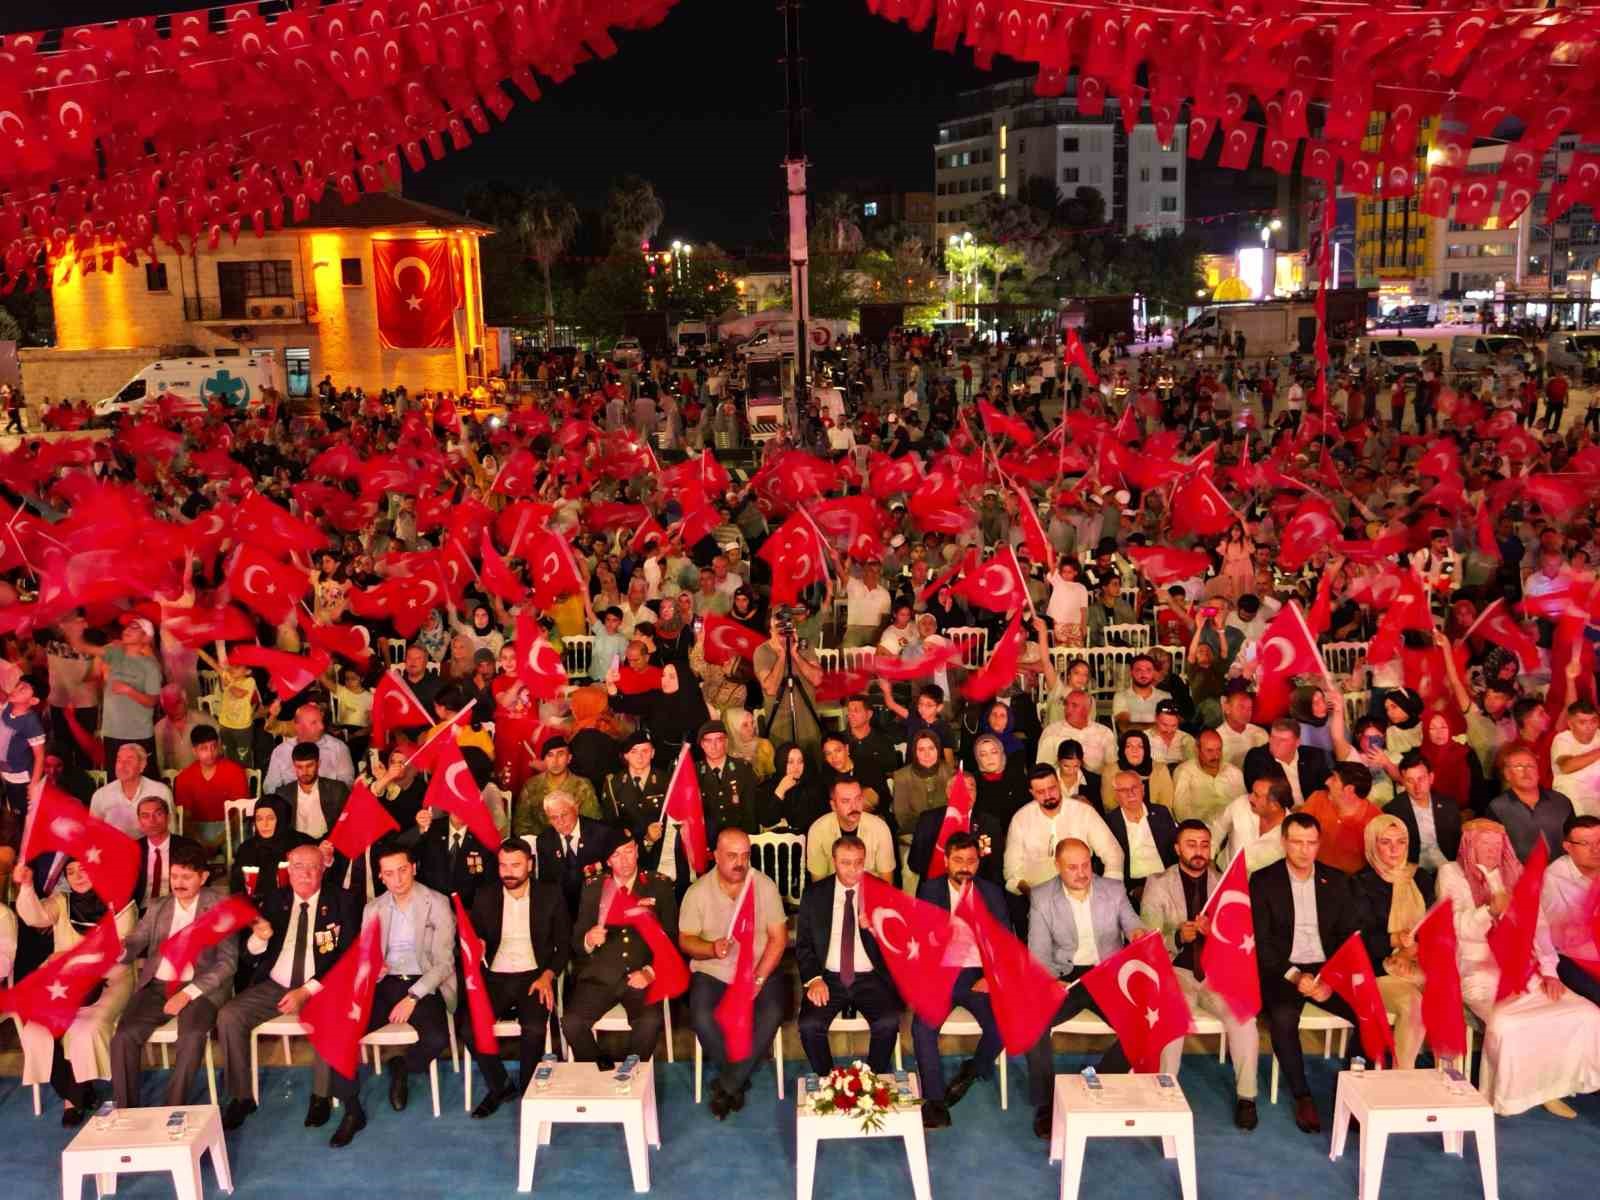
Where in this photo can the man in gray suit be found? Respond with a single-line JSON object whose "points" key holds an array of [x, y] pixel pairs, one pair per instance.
{"points": [[206, 984], [1080, 902], [418, 985], [1173, 904]]}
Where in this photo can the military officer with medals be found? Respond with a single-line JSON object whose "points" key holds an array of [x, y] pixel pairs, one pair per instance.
{"points": [[614, 963], [632, 797], [728, 788]]}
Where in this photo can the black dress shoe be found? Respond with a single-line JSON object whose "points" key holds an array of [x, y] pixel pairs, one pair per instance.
{"points": [[399, 1088], [73, 1116], [1244, 1114], [719, 1104], [935, 1115], [355, 1120], [1041, 1121], [318, 1112], [1305, 1115], [965, 1078], [492, 1102], [233, 1116]]}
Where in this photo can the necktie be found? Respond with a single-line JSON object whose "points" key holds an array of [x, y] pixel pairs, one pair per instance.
{"points": [[158, 875], [847, 940], [567, 842], [302, 933], [455, 851]]}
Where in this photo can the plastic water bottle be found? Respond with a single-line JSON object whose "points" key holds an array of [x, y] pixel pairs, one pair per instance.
{"points": [[1358, 1065]]}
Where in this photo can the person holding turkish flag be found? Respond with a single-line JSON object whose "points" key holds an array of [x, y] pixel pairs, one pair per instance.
{"points": [[1147, 1025], [415, 299], [733, 929], [395, 706], [111, 858]]}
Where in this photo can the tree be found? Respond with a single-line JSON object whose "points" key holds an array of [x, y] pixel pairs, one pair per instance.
{"points": [[633, 212], [906, 274], [1084, 209], [701, 285], [509, 293], [546, 222], [612, 289], [833, 228]]}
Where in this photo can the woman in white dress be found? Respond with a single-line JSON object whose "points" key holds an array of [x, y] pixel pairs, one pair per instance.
{"points": [[1543, 1043], [83, 1054]]}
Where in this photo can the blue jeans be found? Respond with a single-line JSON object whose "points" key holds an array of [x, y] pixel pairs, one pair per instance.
{"points": [[925, 1037], [704, 993]]}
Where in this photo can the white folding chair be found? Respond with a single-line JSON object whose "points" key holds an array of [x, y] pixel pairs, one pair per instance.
{"points": [[396, 1034], [1320, 1020], [577, 656], [283, 1028], [781, 857], [1355, 706], [243, 811], [961, 1023], [840, 1024], [166, 1036], [96, 777], [17, 1021], [253, 777]]}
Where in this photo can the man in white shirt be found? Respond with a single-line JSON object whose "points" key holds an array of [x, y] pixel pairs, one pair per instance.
{"points": [[117, 803], [333, 761], [206, 983], [1205, 785], [1134, 707], [1037, 829], [1575, 759], [849, 816], [1168, 743], [1566, 899], [1250, 825], [866, 606], [299, 936], [1098, 741], [1239, 736]]}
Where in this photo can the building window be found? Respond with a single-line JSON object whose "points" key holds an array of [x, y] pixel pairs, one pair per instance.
{"points": [[1144, 174], [1097, 143], [1069, 174], [240, 282], [155, 277], [297, 371], [1169, 204], [1169, 174], [1069, 145], [869, 209], [350, 271]]}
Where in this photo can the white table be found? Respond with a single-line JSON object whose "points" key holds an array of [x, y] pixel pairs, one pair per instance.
{"points": [[582, 1094], [812, 1127], [1388, 1102], [1128, 1106], [138, 1141]]}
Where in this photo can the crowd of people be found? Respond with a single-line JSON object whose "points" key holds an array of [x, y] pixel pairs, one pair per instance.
{"points": [[1050, 608]]}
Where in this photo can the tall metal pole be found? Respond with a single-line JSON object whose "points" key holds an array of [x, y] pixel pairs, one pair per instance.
{"points": [[794, 170]]}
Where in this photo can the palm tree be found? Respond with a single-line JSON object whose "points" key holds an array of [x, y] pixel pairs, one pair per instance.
{"points": [[633, 212], [833, 224], [546, 223]]}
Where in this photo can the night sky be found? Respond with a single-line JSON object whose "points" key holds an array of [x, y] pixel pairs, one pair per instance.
{"points": [[695, 106]]}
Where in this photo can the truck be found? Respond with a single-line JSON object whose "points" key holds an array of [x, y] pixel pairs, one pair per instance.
{"points": [[690, 339], [778, 340], [1278, 326], [236, 381]]}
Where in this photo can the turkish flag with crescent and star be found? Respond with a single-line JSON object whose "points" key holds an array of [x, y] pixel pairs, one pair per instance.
{"points": [[726, 640], [52, 994], [111, 857], [921, 945], [1025, 996], [395, 706], [453, 789], [1349, 973], [1286, 650], [336, 1017], [478, 1005], [1228, 955], [183, 948], [1159, 1014], [362, 821], [416, 302], [684, 805]]}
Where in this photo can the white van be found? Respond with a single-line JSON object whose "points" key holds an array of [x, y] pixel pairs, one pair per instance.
{"points": [[1501, 351], [237, 382], [1395, 355]]}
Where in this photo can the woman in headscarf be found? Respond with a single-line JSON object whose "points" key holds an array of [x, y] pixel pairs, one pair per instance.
{"points": [[82, 1054], [922, 784], [458, 667], [433, 637], [1457, 774], [478, 629], [1402, 708], [1000, 721], [1309, 705], [745, 743], [1133, 754], [1392, 896], [1542, 1043], [594, 739], [1000, 786], [255, 862], [794, 789]]}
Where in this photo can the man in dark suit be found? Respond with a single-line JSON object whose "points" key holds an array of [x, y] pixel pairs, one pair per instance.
{"points": [[300, 935], [205, 984], [526, 934], [1303, 911], [987, 827], [571, 847], [841, 967], [450, 858], [1147, 834], [1423, 812], [156, 846], [971, 990], [1306, 767], [615, 962], [316, 802]]}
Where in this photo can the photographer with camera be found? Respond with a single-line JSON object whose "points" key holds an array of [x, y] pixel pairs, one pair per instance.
{"points": [[789, 677]]}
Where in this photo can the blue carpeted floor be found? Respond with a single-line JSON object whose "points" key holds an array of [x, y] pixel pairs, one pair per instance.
{"points": [[751, 1156]]}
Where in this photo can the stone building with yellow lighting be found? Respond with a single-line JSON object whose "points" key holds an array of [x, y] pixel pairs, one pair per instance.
{"points": [[304, 293]]}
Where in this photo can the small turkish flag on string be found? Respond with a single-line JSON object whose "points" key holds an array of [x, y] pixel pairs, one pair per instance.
{"points": [[1511, 937], [957, 819], [289, 674], [336, 1017], [538, 663], [921, 946], [1160, 1014], [1442, 1017], [684, 805], [622, 909], [1025, 996], [1228, 954], [183, 949], [1349, 973], [735, 1012], [52, 994], [265, 586], [478, 1006], [726, 639], [1001, 668], [453, 789], [111, 858], [350, 642], [395, 706], [362, 821]]}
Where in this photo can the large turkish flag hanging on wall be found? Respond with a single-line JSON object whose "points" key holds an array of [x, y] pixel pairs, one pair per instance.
{"points": [[416, 299]]}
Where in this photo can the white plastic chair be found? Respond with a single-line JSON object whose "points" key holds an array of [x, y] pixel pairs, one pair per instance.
{"points": [[10, 982], [974, 643], [395, 1034], [1320, 1020], [167, 1035], [283, 1028], [840, 1024], [244, 810], [781, 857], [253, 777], [961, 1023], [577, 656]]}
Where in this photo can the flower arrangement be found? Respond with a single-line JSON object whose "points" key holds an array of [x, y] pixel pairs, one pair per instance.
{"points": [[857, 1091]]}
